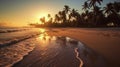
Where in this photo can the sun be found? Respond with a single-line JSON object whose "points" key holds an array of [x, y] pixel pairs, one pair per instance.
{"points": [[41, 15]]}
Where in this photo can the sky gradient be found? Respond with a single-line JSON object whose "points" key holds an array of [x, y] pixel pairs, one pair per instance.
{"points": [[22, 12]]}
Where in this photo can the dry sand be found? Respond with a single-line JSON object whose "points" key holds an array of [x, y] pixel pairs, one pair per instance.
{"points": [[106, 42]]}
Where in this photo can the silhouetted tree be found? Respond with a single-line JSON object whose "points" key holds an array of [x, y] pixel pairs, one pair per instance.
{"points": [[95, 10], [85, 6], [92, 16], [66, 9], [42, 20], [113, 13], [92, 3], [57, 19], [50, 19], [65, 14], [75, 18]]}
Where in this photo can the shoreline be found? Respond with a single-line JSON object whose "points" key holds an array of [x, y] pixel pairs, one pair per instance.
{"points": [[102, 43]]}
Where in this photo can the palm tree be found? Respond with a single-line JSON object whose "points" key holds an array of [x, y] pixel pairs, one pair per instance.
{"points": [[113, 13], [50, 18], [112, 8], [73, 13], [66, 9], [74, 16], [109, 8], [117, 6], [94, 2], [85, 6], [49, 15], [61, 15], [65, 14], [42, 20], [57, 19]]}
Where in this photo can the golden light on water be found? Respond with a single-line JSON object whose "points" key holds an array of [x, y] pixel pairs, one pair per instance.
{"points": [[43, 38], [42, 30]]}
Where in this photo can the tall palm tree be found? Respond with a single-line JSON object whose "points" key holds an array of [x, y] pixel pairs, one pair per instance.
{"points": [[93, 4], [61, 16], [66, 8], [85, 6], [65, 13], [64, 18]]}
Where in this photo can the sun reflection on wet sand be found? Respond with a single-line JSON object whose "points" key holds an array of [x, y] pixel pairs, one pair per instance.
{"points": [[61, 51], [43, 38], [42, 30], [47, 42]]}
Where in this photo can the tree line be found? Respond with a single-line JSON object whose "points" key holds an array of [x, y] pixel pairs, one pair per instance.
{"points": [[93, 16]]}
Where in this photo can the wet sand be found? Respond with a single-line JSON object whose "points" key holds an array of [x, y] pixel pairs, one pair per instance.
{"points": [[53, 51], [105, 42], [101, 49]]}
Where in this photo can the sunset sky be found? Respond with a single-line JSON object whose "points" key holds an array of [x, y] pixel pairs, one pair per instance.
{"points": [[22, 12]]}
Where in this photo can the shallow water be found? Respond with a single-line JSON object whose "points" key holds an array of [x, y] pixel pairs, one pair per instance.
{"points": [[14, 37], [15, 45], [60, 51]]}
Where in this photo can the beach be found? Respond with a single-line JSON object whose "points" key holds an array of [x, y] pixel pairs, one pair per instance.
{"points": [[65, 47], [103, 41]]}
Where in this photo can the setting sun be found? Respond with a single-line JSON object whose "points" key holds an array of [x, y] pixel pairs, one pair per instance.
{"points": [[41, 15]]}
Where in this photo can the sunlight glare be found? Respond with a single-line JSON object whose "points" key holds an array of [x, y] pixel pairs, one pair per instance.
{"points": [[42, 30], [41, 15], [43, 38]]}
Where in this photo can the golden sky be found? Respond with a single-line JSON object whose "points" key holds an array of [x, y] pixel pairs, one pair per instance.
{"points": [[23, 12]]}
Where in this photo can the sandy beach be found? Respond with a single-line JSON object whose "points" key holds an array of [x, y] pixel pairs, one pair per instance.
{"points": [[61, 47], [103, 41]]}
